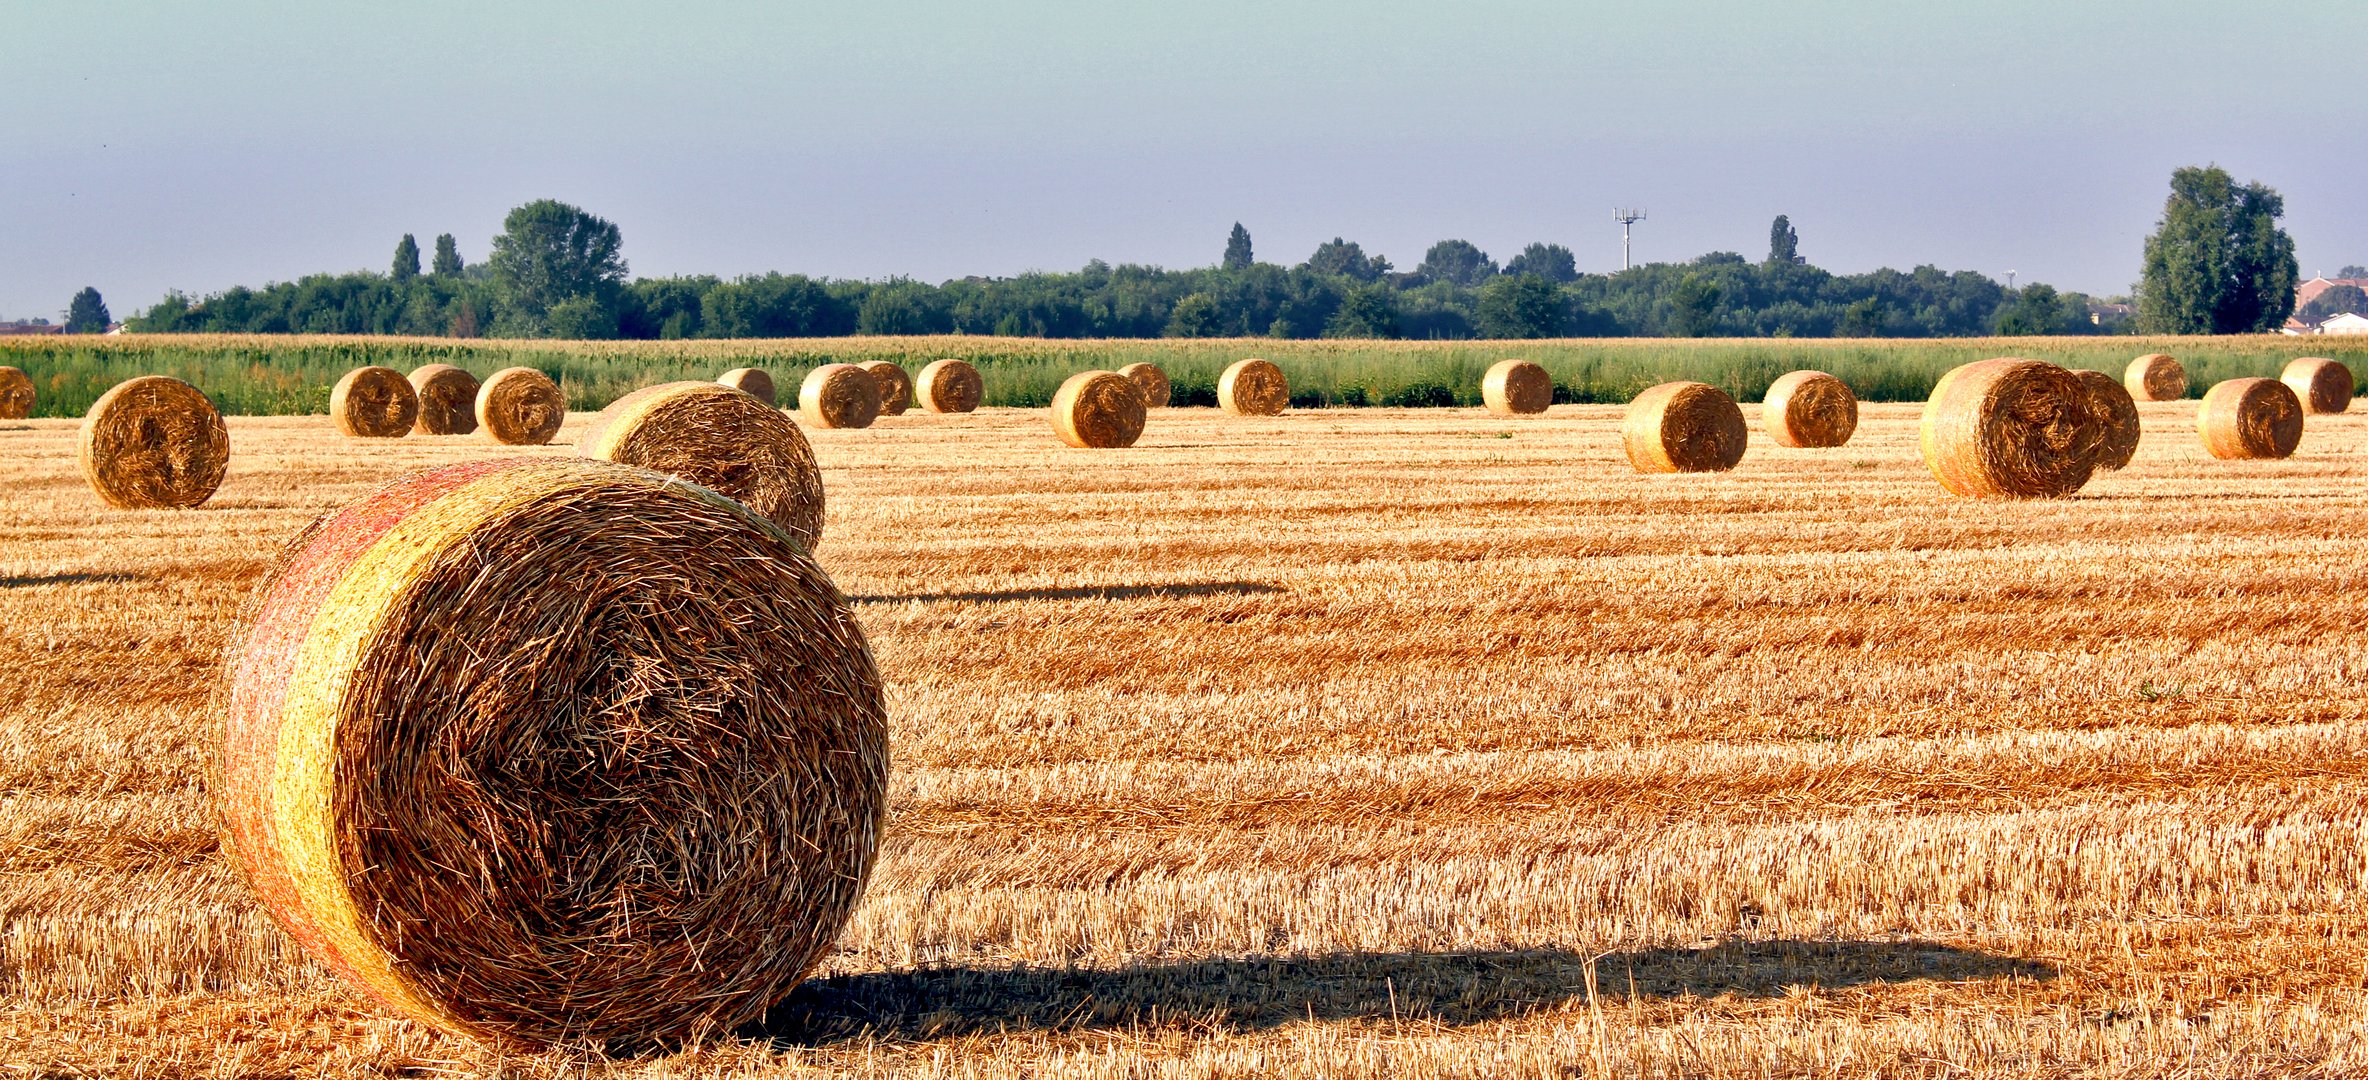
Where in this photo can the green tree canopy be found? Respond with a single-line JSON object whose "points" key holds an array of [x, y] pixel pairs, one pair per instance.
{"points": [[1458, 261], [1195, 316], [548, 252], [2339, 300], [1237, 249], [1693, 306], [406, 264], [1345, 258], [2352, 272], [1366, 311], [1522, 306], [447, 256], [2038, 309], [1553, 262], [87, 313], [2218, 263], [1784, 245]]}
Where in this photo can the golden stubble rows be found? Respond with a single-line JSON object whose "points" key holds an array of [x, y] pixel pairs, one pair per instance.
{"points": [[1375, 742]]}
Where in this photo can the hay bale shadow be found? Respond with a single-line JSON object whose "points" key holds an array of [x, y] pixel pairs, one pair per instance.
{"points": [[1087, 592], [34, 581]]}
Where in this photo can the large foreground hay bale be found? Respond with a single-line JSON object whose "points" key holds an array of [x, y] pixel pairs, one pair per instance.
{"points": [[447, 400], [896, 387], [1684, 427], [2250, 418], [1809, 409], [555, 751], [839, 396], [725, 439], [1253, 388], [2011, 428], [1517, 388], [754, 382], [16, 394], [2117, 417], [154, 443], [949, 386], [2155, 377], [521, 406], [2323, 385], [374, 403], [1098, 410], [1152, 381]]}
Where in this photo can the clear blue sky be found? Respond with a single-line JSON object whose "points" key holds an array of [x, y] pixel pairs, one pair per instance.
{"points": [[197, 146]]}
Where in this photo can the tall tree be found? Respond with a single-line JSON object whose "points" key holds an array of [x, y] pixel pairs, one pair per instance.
{"points": [[2218, 263], [1693, 304], [1458, 261], [1553, 262], [548, 252], [1237, 249], [447, 256], [87, 313], [2354, 272], [406, 259], [1784, 245], [1344, 257]]}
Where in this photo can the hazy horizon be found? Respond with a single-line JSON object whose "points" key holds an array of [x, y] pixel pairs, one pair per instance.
{"points": [[203, 148]]}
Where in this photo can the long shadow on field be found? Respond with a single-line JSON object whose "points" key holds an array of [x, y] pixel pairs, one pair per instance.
{"points": [[1447, 988], [1088, 592], [37, 581]]}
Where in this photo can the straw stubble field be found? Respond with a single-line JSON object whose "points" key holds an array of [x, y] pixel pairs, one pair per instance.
{"points": [[1374, 742]]}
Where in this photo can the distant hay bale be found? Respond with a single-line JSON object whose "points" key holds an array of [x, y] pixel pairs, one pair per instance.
{"points": [[949, 386], [839, 396], [1809, 409], [1253, 388], [16, 394], [1684, 427], [374, 403], [726, 440], [2155, 377], [447, 400], [2011, 428], [2323, 385], [154, 443], [896, 387], [1517, 388], [754, 382], [2117, 417], [1152, 382], [555, 751], [2250, 418], [521, 406], [1098, 410]]}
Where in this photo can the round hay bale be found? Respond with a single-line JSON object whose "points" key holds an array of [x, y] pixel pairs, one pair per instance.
{"points": [[1098, 410], [2323, 385], [555, 751], [1517, 387], [2250, 418], [754, 382], [726, 440], [154, 443], [2011, 428], [447, 400], [16, 394], [1253, 388], [374, 403], [839, 396], [1684, 427], [896, 387], [1152, 382], [2117, 417], [949, 386], [1809, 409], [2155, 377], [521, 406]]}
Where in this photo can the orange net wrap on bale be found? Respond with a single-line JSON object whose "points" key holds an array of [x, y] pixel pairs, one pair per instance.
{"points": [[1517, 388], [1684, 427], [154, 443], [720, 438], [2011, 428]]}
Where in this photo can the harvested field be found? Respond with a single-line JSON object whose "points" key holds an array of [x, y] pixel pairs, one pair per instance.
{"points": [[1375, 742]]}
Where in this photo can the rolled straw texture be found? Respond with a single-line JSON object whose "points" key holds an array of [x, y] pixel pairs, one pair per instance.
{"points": [[721, 438], [154, 443], [447, 400], [1098, 410], [2011, 428], [2323, 385], [2117, 416], [16, 394], [1253, 388], [1152, 382], [949, 386], [520, 406], [1517, 388], [555, 751], [896, 387], [2250, 418], [374, 403], [1684, 427], [839, 396], [754, 382], [2155, 377], [1809, 409]]}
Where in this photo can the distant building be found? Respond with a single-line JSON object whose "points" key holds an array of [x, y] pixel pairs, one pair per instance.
{"points": [[2346, 323], [35, 327], [2310, 290]]}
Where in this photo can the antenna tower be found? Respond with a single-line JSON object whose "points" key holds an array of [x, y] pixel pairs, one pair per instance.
{"points": [[1626, 216]]}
